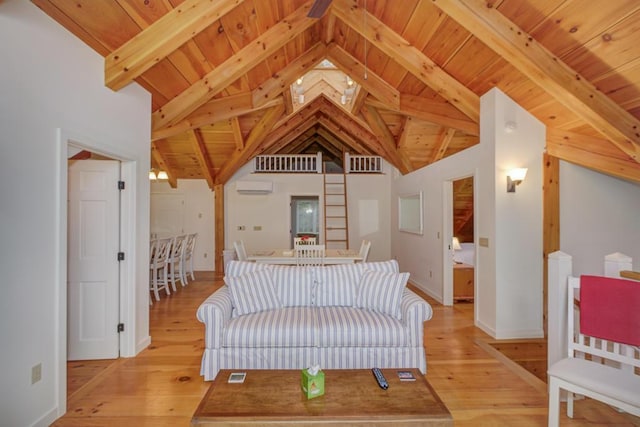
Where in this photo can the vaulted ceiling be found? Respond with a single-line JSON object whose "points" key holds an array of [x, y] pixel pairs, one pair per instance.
{"points": [[224, 76]]}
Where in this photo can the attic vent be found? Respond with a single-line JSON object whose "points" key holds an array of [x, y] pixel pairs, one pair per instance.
{"points": [[254, 187]]}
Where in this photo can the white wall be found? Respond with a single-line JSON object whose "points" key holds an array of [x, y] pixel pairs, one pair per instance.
{"points": [[197, 216], [599, 215], [368, 210], [508, 298], [50, 80]]}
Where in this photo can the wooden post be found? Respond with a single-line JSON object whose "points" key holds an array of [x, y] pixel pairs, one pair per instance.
{"points": [[615, 263], [560, 268], [550, 223], [219, 226]]}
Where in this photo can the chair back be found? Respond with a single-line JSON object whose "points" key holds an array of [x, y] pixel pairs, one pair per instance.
{"points": [[190, 245], [309, 254], [304, 241], [241, 252], [161, 252], [177, 249], [364, 250]]}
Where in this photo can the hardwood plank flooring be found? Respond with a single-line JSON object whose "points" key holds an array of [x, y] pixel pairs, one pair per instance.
{"points": [[162, 385]]}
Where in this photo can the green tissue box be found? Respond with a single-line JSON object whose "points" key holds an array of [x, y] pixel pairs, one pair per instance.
{"points": [[312, 385]]}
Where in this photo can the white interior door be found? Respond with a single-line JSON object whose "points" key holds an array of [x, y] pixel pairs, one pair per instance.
{"points": [[93, 271]]}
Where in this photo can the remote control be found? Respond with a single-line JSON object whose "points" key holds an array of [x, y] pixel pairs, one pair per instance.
{"points": [[382, 381]]}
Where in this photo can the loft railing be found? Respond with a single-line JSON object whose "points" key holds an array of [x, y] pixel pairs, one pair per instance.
{"points": [[312, 163], [291, 163], [362, 164]]}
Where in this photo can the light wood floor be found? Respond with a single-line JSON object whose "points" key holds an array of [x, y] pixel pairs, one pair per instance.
{"points": [[162, 386]]}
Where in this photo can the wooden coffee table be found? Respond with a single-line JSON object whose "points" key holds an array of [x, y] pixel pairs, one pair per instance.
{"points": [[351, 397]]}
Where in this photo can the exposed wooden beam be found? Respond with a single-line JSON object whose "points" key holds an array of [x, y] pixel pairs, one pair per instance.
{"points": [[402, 52], [344, 145], [593, 153], [550, 222], [429, 110], [386, 139], [256, 137], [164, 36], [338, 132], [442, 144], [373, 84], [234, 67], [212, 112], [359, 100], [199, 149], [218, 214], [157, 155], [280, 82], [237, 133], [547, 71]]}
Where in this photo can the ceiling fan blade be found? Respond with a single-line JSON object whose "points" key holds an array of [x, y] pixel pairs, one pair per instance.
{"points": [[319, 8]]}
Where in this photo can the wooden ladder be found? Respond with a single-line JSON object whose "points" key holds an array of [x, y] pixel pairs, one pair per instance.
{"points": [[336, 223]]}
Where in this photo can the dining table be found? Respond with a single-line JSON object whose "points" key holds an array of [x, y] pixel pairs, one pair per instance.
{"points": [[287, 256]]}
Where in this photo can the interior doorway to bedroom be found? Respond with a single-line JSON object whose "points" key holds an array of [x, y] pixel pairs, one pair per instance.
{"points": [[463, 248]]}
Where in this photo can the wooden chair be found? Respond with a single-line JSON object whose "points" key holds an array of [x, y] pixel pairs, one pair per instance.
{"points": [[187, 259], [364, 250], [158, 267], [175, 263], [311, 255], [241, 252], [598, 368], [304, 241]]}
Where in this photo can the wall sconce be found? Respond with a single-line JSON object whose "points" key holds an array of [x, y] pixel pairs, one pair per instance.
{"points": [[515, 177], [152, 175], [162, 175]]}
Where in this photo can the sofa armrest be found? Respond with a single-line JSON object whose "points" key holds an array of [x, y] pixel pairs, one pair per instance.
{"points": [[415, 311], [215, 312]]}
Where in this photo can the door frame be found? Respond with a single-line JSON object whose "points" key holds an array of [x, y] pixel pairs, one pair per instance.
{"points": [[447, 234], [128, 244], [292, 197]]}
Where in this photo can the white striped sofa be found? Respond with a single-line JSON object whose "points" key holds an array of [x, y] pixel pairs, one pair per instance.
{"points": [[316, 320]]}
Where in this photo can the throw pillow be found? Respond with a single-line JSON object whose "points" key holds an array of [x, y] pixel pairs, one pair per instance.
{"points": [[382, 292], [390, 266], [253, 292]]}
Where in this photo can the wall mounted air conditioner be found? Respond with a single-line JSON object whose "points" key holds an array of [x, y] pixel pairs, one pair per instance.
{"points": [[254, 187]]}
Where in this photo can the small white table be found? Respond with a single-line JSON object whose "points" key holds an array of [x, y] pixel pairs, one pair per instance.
{"points": [[287, 256]]}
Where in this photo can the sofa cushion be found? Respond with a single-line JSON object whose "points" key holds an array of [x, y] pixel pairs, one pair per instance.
{"points": [[336, 285], [252, 292], [390, 266], [293, 284], [286, 327], [238, 268], [382, 292], [354, 327]]}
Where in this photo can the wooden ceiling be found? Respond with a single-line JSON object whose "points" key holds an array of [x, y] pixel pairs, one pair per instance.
{"points": [[223, 74]]}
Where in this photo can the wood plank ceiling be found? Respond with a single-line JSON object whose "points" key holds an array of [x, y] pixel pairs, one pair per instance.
{"points": [[224, 76]]}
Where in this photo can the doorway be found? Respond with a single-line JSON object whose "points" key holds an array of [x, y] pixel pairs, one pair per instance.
{"points": [[463, 248], [305, 217], [68, 145]]}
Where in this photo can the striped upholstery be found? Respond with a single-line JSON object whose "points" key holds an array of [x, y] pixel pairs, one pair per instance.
{"points": [[253, 292], [303, 333], [238, 268], [390, 266], [336, 285], [287, 327], [352, 327], [382, 292], [293, 284]]}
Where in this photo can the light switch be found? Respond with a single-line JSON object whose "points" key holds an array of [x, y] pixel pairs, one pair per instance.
{"points": [[484, 241]]}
